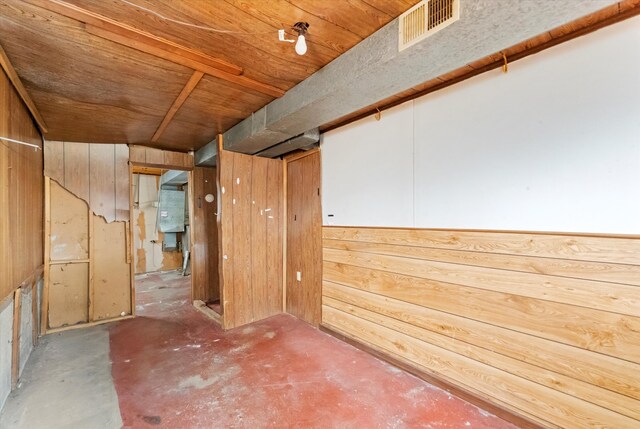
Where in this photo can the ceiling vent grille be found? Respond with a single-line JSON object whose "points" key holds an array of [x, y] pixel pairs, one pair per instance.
{"points": [[426, 18]]}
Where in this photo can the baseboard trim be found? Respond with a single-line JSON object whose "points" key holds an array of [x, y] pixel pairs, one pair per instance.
{"points": [[504, 414]]}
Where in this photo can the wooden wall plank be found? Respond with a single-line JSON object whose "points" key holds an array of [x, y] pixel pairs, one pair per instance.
{"points": [[21, 192], [562, 409], [226, 236], [594, 330], [154, 156], [137, 154], [616, 250], [241, 259], [251, 237], [603, 374], [76, 169], [102, 181], [274, 235], [204, 254], [304, 238], [54, 165], [597, 295], [122, 182], [258, 219], [544, 324], [599, 271]]}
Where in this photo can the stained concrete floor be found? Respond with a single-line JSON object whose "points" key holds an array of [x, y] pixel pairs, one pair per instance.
{"points": [[172, 367]]}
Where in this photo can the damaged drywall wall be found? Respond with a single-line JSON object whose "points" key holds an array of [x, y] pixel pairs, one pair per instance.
{"points": [[6, 340], [149, 256]]}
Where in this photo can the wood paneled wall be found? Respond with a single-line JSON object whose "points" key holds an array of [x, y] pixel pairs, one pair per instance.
{"points": [[251, 237], [151, 157], [204, 257], [96, 173], [304, 238], [546, 326], [21, 193], [87, 272]]}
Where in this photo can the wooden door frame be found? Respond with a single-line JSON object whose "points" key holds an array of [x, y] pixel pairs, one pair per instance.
{"points": [[147, 168]]}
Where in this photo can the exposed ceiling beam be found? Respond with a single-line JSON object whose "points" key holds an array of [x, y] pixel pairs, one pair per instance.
{"points": [[374, 69], [17, 84], [182, 97], [131, 37]]}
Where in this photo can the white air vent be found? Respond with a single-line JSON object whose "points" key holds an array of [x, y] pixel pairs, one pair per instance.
{"points": [[426, 18]]}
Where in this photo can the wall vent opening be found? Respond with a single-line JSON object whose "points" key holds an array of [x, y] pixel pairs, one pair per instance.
{"points": [[426, 18]]}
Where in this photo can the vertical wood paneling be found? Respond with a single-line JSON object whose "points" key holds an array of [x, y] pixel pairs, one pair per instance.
{"points": [[54, 164], [274, 235], [259, 283], [251, 235], [121, 157], [241, 259], [76, 169], [226, 237], [21, 193], [304, 238], [102, 180], [493, 312], [205, 236]]}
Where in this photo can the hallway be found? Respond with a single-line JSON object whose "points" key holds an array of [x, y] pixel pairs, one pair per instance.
{"points": [[172, 367]]}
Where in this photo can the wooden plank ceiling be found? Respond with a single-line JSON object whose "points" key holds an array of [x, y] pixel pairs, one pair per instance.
{"points": [[116, 72]]}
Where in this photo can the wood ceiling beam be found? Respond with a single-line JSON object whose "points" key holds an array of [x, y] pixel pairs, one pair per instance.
{"points": [[17, 84], [131, 37], [188, 88]]}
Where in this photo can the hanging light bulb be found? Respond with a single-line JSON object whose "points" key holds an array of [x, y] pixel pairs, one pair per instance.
{"points": [[301, 45]]}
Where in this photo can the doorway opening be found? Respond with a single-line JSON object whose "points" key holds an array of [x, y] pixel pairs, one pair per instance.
{"points": [[161, 233]]}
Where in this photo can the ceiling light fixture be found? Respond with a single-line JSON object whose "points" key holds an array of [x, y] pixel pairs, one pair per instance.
{"points": [[301, 43]]}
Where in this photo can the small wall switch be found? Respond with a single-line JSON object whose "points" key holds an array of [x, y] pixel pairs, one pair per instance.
{"points": [[298, 276]]}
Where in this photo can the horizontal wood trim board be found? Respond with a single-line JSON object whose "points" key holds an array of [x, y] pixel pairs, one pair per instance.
{"points": [[585, 293], [561, 408], [603, 332], [584, 248], [428, 376], [586, 270]]}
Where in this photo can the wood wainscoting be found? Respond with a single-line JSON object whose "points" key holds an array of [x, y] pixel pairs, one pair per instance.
{"points": [[21, 192], [545, 326]]}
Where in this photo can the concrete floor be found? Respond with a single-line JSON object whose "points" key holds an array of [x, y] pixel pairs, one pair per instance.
{"points": [[172, 367]]}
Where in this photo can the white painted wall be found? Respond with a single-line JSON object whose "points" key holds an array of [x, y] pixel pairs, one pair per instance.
{"points": [[553, 145]]}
